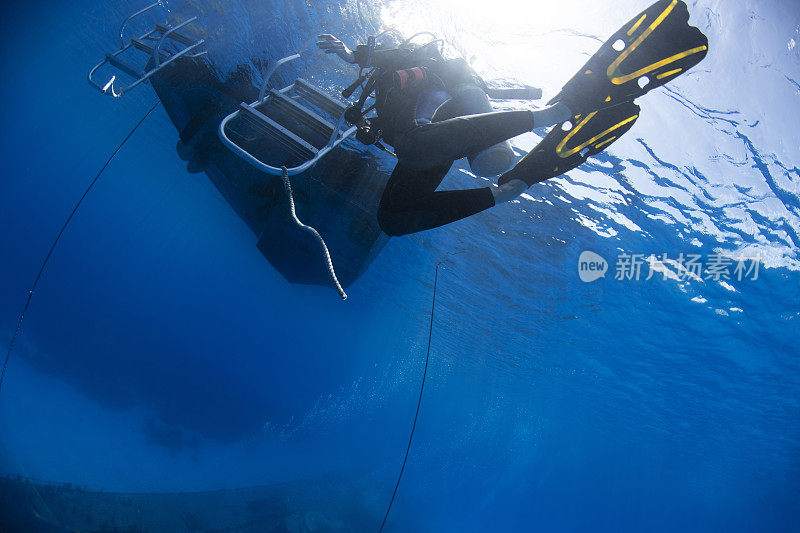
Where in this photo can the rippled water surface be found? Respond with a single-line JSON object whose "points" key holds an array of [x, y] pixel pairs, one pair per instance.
{"points": [[162, 353]]}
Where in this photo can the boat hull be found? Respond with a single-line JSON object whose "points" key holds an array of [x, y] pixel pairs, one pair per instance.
{"points": [[339, 196]]}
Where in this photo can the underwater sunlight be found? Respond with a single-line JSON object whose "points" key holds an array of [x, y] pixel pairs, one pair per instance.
{"points": [[568, 234]]}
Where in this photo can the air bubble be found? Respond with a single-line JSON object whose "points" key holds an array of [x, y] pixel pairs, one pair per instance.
{"points": [[619, 45]]}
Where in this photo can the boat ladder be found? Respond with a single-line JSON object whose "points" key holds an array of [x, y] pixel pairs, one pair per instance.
{"points": [[294, 117], [163, 44]]}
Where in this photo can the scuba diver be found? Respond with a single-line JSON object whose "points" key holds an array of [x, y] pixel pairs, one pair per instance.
{"points": [[426, 109]]}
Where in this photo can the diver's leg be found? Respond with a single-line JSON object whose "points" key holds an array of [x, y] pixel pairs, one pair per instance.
{"points": [[517, 180], [468, 99], [410, 202], [448, 140], [509, 190]]}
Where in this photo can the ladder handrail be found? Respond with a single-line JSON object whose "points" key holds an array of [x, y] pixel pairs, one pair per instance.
{"points": [[163, 33], [145, 77], [337, 135], [336, 129], [157, 53], [271, 71], [125, 22]]}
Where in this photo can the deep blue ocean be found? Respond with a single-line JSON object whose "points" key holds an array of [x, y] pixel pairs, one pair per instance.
{"points": [[162, 353]]}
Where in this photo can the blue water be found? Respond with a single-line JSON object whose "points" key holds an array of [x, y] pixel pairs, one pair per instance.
{"points": [[161, 352]]}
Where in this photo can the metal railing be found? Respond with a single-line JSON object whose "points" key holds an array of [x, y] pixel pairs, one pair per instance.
{"points": [[338, 135], [155, 37]]}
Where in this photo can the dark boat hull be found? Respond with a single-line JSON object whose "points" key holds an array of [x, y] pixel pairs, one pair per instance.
{"points": [[339, 196]]}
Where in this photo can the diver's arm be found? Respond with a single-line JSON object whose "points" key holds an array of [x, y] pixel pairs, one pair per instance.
{"points": [[379, 58], [363, 56], [332, 45]]}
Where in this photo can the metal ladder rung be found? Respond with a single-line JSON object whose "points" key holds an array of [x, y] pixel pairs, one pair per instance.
{"points": [[302, 114], [319, 98], [124, 66], [150, 49], [151, 43], [292, 141], [179, 37]]}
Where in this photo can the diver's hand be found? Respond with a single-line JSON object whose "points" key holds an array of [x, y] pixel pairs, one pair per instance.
{"points": [[332, 45]]}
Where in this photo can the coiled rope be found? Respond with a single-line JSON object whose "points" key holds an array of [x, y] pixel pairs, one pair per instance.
{"points": [[287, 185], [55, 241], [419, 400]]}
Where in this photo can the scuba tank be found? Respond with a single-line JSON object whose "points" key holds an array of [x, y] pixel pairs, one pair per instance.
{"points": [[468, 96], [496, 159]]}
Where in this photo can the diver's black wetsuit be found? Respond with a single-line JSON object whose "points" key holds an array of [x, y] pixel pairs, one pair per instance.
{"points": [[410, 202], [427, 148]]}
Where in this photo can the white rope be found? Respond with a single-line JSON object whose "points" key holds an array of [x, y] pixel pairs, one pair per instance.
{"points": [[288, 187]]}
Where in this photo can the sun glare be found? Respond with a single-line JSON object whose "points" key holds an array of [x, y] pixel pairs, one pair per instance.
{"points": [[531, 41], [508, 42], [497, 16]]}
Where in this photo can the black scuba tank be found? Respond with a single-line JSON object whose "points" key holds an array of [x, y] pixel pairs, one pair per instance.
{"points": [[496, 159]]}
